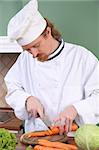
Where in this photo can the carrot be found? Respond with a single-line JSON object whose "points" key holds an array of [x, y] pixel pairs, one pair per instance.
{"points": [[39, 147], [54, 131], [38, 134], [60, 145], [71, 146], [74, 127]]}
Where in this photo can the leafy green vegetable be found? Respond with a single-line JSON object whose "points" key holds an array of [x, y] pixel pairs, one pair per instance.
{"points": [[7, 140], [87, 137], [97, 124]]}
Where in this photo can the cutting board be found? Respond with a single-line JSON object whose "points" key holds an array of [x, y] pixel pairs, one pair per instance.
{"points": [[34, 140]]}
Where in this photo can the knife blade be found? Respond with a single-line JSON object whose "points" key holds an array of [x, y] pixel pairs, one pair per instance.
{"points": [[71, 134], [47, 121]]}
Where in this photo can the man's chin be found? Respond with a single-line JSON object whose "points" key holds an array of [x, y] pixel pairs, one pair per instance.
{"points": [[42, 57]]}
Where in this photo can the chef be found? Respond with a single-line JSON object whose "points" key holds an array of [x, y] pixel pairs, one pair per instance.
{"points": [[50, 77]]}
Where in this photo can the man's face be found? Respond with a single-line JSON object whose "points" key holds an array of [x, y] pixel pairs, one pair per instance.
{"points": [[39, 48]]}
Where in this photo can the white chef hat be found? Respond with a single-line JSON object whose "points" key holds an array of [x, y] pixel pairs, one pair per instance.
{"points": [[27, 24]]}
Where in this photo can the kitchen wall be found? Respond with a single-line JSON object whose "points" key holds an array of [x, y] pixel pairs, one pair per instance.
{"points": [[78, 20], [6, 61]]}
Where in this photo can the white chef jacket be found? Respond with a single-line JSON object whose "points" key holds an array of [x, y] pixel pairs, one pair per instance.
{"points": [[70, 76]]}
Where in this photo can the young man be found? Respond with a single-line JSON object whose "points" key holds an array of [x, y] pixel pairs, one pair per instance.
{"points": [[50, 77]]}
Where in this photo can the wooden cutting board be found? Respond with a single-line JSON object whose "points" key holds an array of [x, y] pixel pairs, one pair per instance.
{"points": [[34, 140]]}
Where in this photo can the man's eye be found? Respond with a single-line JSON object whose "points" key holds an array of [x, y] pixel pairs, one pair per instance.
{"points": [[28, 50], [36, 46]]}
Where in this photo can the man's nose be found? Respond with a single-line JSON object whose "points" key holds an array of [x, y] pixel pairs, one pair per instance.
{"points": [[34, 52]]}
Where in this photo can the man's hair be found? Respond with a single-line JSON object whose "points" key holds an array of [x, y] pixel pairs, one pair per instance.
{"points": [[54, 32]]}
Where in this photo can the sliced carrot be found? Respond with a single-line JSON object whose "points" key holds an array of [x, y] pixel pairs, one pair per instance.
{"points": [[53, 131]]}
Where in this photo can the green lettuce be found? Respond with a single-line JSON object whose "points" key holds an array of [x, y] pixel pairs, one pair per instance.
{"points": [[87, 137], [7, 140]]}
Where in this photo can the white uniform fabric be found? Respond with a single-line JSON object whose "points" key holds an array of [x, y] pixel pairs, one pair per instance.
{"points": [[70, 78]]}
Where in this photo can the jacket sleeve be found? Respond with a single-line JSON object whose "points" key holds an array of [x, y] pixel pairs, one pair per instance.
{"points": [[88, 107], [16, 95]]}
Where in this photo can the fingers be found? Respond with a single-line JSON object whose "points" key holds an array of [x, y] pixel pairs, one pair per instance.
{"points": [[61, 127], [34, 107], [66, 118], [68, 124], [41, 112], [64, 124], [35, 113]]}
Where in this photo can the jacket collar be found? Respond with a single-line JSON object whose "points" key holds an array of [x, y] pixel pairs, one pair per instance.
{"points": [[57, 51]]}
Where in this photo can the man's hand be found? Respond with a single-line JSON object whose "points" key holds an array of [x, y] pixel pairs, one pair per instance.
{"points": [[34, 107], [66, 118]]}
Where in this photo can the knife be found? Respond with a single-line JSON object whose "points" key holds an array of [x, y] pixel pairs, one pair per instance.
{"points": [[71, 134], [47, 121]]}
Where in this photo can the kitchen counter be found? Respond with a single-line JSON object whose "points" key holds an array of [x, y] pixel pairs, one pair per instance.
{"points": [[9, 121]]}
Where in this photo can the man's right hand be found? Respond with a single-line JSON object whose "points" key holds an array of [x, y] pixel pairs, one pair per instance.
{"points": [[34, 107]]}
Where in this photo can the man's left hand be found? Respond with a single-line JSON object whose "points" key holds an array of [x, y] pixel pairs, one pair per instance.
{"points": [[66, 118]]}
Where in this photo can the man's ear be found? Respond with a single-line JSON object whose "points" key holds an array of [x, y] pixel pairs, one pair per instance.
{"points": [[47, 32]]}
